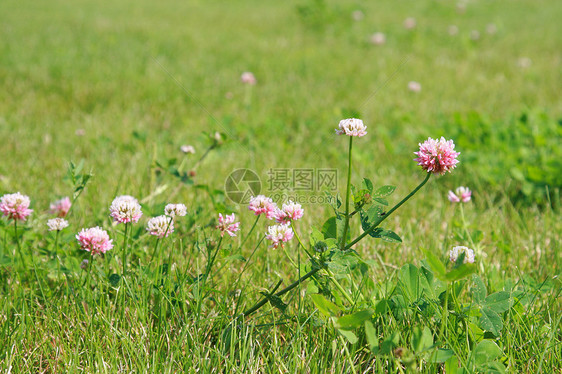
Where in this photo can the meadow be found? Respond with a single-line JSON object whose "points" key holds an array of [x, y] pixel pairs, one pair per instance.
{"points": [[99, 98]]}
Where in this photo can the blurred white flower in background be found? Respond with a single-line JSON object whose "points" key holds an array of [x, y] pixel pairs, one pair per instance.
{"points": [[357, 15], [414, 86], [378, 38], [410, 23]]}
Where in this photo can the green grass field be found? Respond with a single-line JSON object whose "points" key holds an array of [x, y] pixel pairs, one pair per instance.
{"points": [[117, 88]]}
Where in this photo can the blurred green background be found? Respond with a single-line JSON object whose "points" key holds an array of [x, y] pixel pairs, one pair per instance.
{"points": [[123, 83]]}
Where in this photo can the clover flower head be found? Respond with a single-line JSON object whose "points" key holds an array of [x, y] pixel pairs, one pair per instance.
{"points": [[279, 234], [57, 224], [15, 206], [125, 209], [456, 252], [437, 156], [94, 240], [409, 23], [414, 86], [461, 194], [357, 15], [248, 78], [227, 224], [289, 212], [160, 226], [175, 210], [187, 149], [378, 38], [262, 205], [351, 127], [61, 207]]}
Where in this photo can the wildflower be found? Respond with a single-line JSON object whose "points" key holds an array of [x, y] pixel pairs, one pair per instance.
{"points": [[491, 28], [475, 35], [378, 38], [160, 226], [437, 156], [261, 204], [461, 194], [57, 224], [15, 206], [279, 234], [357, 15], [187, 149], [217, 137], [410, 23], [60, 207], [456, 252], [80, 132], [94, 240], [351, 127], [84, 264], [414, 86], [290, 212], [175, 210], [125, 209], [248, 78], [227, 224]]}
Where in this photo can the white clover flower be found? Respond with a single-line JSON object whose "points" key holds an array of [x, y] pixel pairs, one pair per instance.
{"points": [[414, 86], [57, 224], [187, 149], [160, 226], [175, 210], [125, 209], [248, 78], [410, 23], [351, 127], [456, 252], [461, 194], [378, 38]]}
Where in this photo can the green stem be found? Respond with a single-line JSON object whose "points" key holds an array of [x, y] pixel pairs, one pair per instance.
{"points": [[211, 147], [340, 288], [465, 227], [154, 250], [125, 248], [18, 243], [445, 314], [347, 193], [57, 251], [244, 269], [250, 232], [211, 261], [381, 219], [348, 356], [89, 289], [170, 221], [289, 257], [300, 241], [263, 301]]}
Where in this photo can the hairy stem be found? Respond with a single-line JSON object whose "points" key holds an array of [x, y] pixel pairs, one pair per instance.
{"points": [[347, 193], [381, 219]]}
